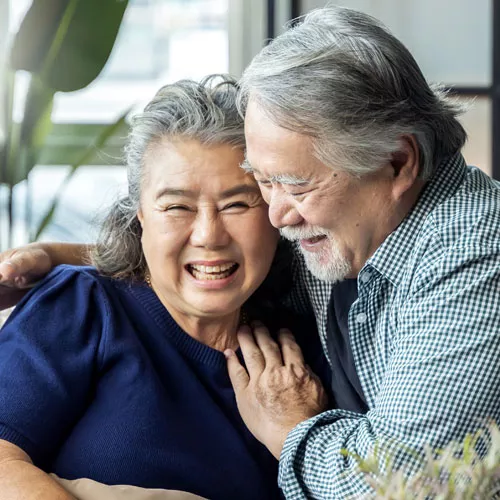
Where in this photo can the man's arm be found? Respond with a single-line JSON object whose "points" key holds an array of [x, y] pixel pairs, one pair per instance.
{"points": [[19, 478], [87, 489], [441, 381], [21, 267]]}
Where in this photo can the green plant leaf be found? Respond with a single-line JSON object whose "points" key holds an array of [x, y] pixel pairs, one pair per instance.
{"points": [[35, 35], [33, 131], [84, 158], [67, 42], [8, 128]]}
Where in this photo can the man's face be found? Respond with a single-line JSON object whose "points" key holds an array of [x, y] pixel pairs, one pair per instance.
{"points": [[339, 219]]}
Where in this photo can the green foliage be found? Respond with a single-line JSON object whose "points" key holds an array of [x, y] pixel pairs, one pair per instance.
{"points": [[85, 157], [67, 42], [457, 472], [64, 45]]}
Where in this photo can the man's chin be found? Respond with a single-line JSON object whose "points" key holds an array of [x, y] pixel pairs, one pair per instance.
{"points": [[326, 269]]}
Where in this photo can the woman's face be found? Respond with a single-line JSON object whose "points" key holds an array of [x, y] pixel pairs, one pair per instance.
{"points": [[206, 234]]}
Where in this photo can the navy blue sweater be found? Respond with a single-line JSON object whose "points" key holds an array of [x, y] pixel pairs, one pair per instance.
{"points": [[98, 381]]}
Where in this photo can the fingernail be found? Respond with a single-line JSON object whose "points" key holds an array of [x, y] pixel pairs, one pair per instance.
{"points": [[244, 329], [228, 353]]}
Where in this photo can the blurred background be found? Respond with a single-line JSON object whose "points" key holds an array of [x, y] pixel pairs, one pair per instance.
{"points": [[61, 163]]}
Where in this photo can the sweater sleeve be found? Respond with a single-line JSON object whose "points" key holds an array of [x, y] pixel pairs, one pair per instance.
{"points": [[50, 351]]}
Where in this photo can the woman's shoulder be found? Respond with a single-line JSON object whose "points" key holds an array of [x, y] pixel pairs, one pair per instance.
{"points": [[73, 287], [75, 277], [68, 273]]}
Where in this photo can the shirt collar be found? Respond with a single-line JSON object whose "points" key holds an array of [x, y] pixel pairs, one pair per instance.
{"points": [[389, 258]]}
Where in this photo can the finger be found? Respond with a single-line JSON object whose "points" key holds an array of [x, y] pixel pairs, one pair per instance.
{"points": [[237, 374], [24, 266], [270, 349], [290, 350], [254, 359], [8, 271], [10, 275]]}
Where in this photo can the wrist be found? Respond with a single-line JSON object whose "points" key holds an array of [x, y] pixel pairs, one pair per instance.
{"points": [[66, 253], [277, 441]]}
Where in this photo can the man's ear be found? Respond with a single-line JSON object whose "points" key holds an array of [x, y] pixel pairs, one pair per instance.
{"points": [[405, 163]]}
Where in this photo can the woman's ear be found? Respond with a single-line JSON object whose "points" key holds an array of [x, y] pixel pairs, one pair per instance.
{"points": [[140, 216]]}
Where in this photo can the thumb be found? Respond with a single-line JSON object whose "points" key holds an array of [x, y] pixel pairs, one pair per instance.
{"points": [[237, 374], [8, 271]]}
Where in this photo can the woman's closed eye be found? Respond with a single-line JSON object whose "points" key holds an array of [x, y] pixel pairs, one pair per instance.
{"points": [[236, 206], [178, 208]]}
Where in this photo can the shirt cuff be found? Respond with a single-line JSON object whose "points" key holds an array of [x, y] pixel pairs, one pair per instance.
{"points": [[292, 456]]}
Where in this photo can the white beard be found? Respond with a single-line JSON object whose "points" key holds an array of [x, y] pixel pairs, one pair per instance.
{"points": [[327, 265]]}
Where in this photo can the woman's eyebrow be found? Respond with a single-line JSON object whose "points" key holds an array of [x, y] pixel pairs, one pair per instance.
{"points": [[240, 189], [176, 192], [187, 193]]}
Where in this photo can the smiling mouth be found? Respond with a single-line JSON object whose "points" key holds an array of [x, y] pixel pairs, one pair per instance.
{"points": [[314, 239], [210, 273]]}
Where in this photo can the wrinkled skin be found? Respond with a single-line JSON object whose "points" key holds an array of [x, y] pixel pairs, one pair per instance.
{"points": [[277, 391]]}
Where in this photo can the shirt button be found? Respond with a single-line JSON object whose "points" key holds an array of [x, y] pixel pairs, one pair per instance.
{"points": [[361, 318], [365, 277]]}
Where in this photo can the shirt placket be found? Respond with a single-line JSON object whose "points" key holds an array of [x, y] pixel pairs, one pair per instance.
{"points": [[361, 322]]}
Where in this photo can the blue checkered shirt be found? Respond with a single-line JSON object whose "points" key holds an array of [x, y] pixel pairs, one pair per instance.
{"points": [[425, 338]]}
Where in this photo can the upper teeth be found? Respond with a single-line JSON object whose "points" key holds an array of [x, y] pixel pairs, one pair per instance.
{"points": [[212, 269]]}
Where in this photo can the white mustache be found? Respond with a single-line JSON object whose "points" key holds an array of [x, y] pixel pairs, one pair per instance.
{"points": [[292, 233]]}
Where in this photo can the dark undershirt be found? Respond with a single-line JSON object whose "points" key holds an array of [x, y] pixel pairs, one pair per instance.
{"points": [[345, 382]]}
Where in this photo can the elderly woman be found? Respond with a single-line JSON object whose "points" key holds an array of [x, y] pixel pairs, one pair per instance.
{"points": [[116, 372]]}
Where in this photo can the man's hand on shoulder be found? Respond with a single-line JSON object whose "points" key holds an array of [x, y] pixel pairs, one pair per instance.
{"points": [[277, 390], [20, 268]]}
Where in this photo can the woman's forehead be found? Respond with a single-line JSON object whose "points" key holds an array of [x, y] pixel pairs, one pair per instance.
{"points": [[189, 165]]}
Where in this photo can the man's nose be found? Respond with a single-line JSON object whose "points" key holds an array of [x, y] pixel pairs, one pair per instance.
{"points": [[281, 209], [209, 231]]}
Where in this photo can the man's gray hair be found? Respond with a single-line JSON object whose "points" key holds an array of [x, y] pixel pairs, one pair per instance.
{"points": [[204, 111], [343, 79]]}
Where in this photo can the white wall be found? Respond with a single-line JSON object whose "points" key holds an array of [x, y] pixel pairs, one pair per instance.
{"points": [[450, 39]]}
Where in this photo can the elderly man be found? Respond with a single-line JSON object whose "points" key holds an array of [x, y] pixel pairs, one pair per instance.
{"points": [[399, 241]]}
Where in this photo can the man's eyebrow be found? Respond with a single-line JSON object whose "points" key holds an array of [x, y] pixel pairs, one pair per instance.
{"points": [[291, 180]]}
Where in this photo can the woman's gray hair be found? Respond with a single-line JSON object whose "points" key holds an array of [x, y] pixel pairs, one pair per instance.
{"points": [[205, 111], [343, 79]]}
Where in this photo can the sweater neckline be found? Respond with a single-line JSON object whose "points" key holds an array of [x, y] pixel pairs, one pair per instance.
{"points": [[189, 346]]}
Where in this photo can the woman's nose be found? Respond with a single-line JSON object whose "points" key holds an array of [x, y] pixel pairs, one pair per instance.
{"points": [[209, 231]]}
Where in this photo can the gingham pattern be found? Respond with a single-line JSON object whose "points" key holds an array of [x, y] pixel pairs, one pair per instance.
{"points": [[425, 335]]}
